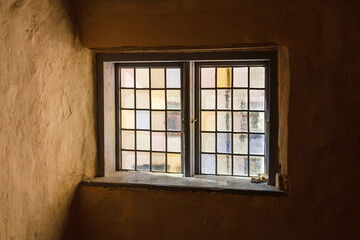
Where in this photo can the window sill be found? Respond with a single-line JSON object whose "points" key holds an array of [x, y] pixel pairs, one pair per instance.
{"points": [[176, 182]]}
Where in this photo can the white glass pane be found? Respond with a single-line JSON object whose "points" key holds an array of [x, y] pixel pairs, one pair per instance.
{"points": [[240, 121], [224, 99], [142, 99], [240, 99], [207, 99], [224, 164], [128, 139], [158, 141], [257, 144], [224, 142], [143, 161], [128, 160], [207, 77], [127, 77], [208, 163], [224, 121], [143, 140], [127, 98], [158, 99], [143, 120], [257, 77], [257, 165], [257, 99], [142, 77], [173, 99], [174, 120], [128, 119], [174, 142], [173, 76], [240, 77], [208, 142], [257, 122], [240, 165], [240, 143]]}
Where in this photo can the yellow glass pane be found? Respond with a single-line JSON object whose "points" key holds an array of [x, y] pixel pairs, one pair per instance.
{"points": [[223, 77], [128, 119], [158, 78], [174, 162], [207, 121]]}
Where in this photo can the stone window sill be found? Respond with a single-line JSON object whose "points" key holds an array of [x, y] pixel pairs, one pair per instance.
{"points": [[176, 182]]}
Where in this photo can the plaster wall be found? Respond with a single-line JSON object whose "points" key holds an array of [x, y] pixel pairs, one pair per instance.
{"points": [[47, 118], [321, 41]]}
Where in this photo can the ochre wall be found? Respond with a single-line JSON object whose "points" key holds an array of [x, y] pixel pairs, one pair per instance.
{"points": [[47, 118], [322, 39]]}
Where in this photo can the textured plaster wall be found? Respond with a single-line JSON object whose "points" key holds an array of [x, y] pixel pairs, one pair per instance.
{"points": [[321, 41], [47, 118]]}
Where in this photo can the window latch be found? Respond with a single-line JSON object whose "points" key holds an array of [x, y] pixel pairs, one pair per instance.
{"points": [[193, 120]]}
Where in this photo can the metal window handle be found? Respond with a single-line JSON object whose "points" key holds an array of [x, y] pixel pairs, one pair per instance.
{"points": [[194, 120]]}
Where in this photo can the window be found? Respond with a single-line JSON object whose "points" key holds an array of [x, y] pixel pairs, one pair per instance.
{"points": [[206, 113]]}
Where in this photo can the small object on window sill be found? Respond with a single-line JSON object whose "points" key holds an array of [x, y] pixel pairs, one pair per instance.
{"points": [[262, 177]]}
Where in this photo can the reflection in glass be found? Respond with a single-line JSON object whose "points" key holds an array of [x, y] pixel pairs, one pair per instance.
{"points": [[257, 144], [173, 77], [256, 165], [223, 77], [174, 162], [224, 121], [208, 163], [240, 143], [257, 122], [174, 142], [128, 119], [127, 77], [208, 142], [142, 140], [224, 164], [207, 99], [174, 120], [157, 78], [143, 119], [208, 121], [173, 99], [257, 77], [224, 142], [128, 160], [158, 99], [240, 77], [158, 120], [257, 99], [128, 139], [207, 77], [142, 99], [127, 98], [158, 141], [142, 78], [240, 165], [158, 161], [224, 99], [240, 121], [143, 161], [240, 99]]}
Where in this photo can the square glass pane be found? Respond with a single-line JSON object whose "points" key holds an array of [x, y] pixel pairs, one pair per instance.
{"points": [[127, 139], [207, 77], [174, 142], [224, 142], [127, 77], [207, 121], [173, 76], [158, 120], [143, 119], [240, 121], [128, 119], [257, 99], [224, 164], [158, 162], [257, 122], [143, 140], [224, 77], [158, 141], [257, 165], [207, 99], [157, 78], [127, 98], [208, 142], [240, 99], [173, 99], [240, 143], [142, 99], [142, 78], [240, 165], [158, 99], [240, 77], [174, 120], [224, 121], [224, 99], [128, 160], [257, 77], [208, 163], [143, 161], [257, 144], [174, 162]]}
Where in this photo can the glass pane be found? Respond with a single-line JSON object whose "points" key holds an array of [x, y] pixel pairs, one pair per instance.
{"points": [[158, 120], [173, 99], [158, 141], [128, 119], [143, 120], [128, 160], [224, 121], [174, 162], [143, 161], [207, 77], [257, 99], [207, 99], [240, 99], [127, 77], [174, 120], [127, 98], [158, 161], [257, 77], [208, 163], [224, 99], [142, 140], [173, 78], [224, 142], [240, 121], [240, 77], [240, 165], [142, 99], [158, 99], [224, 164], [128, 139], [257, 122], [158, 78], [256, 165], [208, 121], [208, 142], [142, 77], [240, 143], [257, 144], [174, 142], [223, 77]]}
